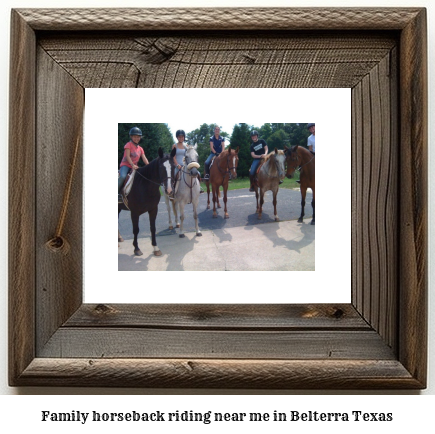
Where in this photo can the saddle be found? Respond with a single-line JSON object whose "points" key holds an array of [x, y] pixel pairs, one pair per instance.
{"points": [[257, 172], [126, 188], [212, 160]]}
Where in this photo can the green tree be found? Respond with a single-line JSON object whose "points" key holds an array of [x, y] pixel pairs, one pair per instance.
{"points": [[241, 137]]}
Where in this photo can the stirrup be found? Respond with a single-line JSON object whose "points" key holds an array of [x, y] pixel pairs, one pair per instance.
{"points": [[298, 181], [207, 176], [281, 181]]}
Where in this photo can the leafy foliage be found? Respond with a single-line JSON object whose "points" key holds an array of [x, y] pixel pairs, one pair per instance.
{"points": [[158, 135]]}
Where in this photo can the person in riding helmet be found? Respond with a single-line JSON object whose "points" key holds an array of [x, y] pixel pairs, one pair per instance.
{"points": [[217, 145], [181, 148], [259, 150], [132, 154]]}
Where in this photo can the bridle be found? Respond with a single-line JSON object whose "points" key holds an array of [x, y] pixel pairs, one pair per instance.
{"points": [[277, 169], [162, 182], [297, 159], [229, 168]]}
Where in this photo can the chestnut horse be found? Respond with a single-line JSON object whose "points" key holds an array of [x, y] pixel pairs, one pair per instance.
{"points": [[297, 156], [271, 171], [223, 169]]}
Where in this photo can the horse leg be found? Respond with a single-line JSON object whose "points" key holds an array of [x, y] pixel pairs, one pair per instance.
{"points": [[312, 204], [195, 216], [260, 211], [152, 214], [174, 209], [225, 188], [208, 195], [181, 234], [214, 201], [303, 193], [257, 197], [169, 209], [135, 222], [218, 195], [275, 193], [120, 239]]}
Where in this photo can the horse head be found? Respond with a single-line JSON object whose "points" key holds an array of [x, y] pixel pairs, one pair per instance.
{"points": [[191, 160], [233, 161], [280, 159], [166, 169], [291, 160]]}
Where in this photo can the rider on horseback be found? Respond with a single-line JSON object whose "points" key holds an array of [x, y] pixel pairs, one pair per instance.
{"points": [[217, 145], [132, 154], [258, 151]]}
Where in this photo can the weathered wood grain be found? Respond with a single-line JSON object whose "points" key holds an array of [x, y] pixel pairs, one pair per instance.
{"points": [[219, 18], [252, 317], [235, 60], [59, 278], [21, 228], [228, 374]]}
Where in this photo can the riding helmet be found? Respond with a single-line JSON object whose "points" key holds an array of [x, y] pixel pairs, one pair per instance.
{"points": [[310, 125], [180, 133], [135, 131], [254, 133]]}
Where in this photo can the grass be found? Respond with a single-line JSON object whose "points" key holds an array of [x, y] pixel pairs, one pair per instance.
{"points": [[239, 183]]}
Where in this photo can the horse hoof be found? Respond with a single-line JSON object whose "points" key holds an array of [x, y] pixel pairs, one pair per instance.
{"points": [[276, 219], [219, 206], [171, 227], [300, 220], [259, 217], [138, 252], [199, 234], [312, 222], [181, 235], [208, 206], [157, 253], [178, 225], [120, 239], [227, 216]]}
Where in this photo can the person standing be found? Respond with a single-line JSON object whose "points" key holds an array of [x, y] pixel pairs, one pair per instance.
{"points": [[217, 145], [311, 141], [258, 150], [132, 154]]}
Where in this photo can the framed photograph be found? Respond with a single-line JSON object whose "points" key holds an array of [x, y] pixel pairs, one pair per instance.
{"points": [[377, 341]]}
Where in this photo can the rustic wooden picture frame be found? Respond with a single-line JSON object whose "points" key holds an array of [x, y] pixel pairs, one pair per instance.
{"points": [[376, 342]]}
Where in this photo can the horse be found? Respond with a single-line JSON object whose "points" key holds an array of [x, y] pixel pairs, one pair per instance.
{"points": [[298, 156], [145, 195], [188, 190], [271, 171], [223, 169]]}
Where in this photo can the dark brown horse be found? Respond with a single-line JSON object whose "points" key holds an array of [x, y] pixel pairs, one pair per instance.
{"points": [[297, 156], [271, 171], [223, 169], [145, 195]]}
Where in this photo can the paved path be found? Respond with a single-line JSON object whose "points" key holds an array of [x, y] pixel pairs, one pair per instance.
{"points": [[240, 243], [241, 209]]}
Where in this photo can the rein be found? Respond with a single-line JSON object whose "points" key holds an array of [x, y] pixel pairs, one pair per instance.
{"points": [[228, 170], [161, 184], [266, 171]]}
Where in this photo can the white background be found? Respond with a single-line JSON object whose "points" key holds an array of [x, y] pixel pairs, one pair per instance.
{"points": [[414, 412], [330, 283]]}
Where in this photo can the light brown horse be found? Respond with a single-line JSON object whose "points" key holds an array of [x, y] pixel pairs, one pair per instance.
{"points": [[223, 169], [271, 171], [297, 156]]}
